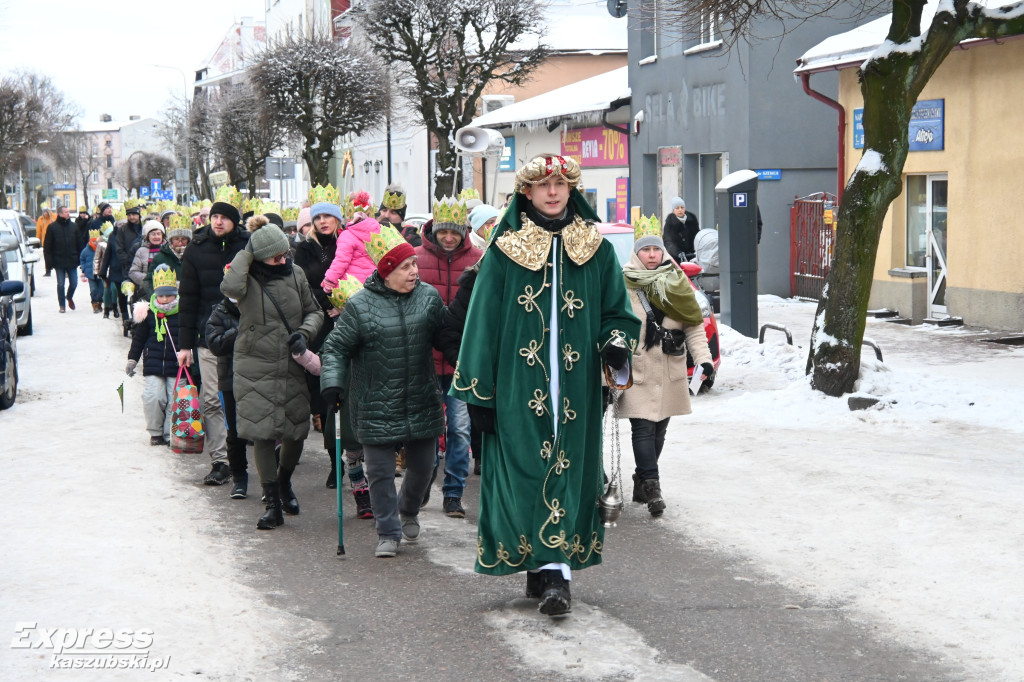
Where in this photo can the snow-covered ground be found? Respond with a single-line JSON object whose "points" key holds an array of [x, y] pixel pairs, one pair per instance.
{"points": [[907, 515]]}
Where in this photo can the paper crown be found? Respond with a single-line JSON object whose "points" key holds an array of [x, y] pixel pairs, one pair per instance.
{"points": [[266, 207], [120, 215], [290, 213], [394, 198], [469, 193], [382, 242], [357, 201], [83, 209], [450, 210], [646, 227], [131, 203], [164, 277], [230, 195], [542, 167], [324, 195], [181, 222], [346, 288], [94, 234]]}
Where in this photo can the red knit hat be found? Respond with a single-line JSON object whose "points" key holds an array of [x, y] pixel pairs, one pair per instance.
{"points": [[388, 248]]}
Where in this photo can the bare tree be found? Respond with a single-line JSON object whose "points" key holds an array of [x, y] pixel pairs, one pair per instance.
{"points": [[891, 80], [445, 53], [246, 133], [31, 110], [320, 91], [142, 167]]}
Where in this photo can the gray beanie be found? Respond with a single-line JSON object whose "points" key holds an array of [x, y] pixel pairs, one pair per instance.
{"points": [[648, 241], [454, 227], [678, 203], [267, 240]]}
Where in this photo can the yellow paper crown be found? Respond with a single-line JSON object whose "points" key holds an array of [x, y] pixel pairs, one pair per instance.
{"points": [[266, 207], [348, 208], [450, 210], [251, 204], [324, 195], [131, 203], [382, 242], [83, 209], [344, 291], [394, 198], [647, 227], [469, 193], [181, 222], [94, 234], [120, 215], [290, 213], [164, 276], [230, 194]]}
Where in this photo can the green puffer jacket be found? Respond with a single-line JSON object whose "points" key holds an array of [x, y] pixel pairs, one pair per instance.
{"points": [[271, 394], [389, 337]]}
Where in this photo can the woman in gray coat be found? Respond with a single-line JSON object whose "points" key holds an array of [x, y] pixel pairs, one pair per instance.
{"points": [[278, 316]]}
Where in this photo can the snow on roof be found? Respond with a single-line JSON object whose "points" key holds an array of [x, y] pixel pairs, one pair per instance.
{"points": [[585, 100], [852, 48]]}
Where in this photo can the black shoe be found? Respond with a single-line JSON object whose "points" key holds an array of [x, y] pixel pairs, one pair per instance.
{"points": [[157, 440], [289, 502], [652, 494], [638, 492], [116, 314], [273, 516], [555, 599], [476, 466], [364, 509], [240, 488], [332, 478], [534, 584], [219, 474], [452, 507], [126, 326], [106, 313]]}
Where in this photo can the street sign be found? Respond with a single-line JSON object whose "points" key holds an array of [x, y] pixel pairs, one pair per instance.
{"points": [[167, 195], [180, 175], [155, 186], [144, 192], [218, 178], [280, 168], [111, 194], [739, 199]]}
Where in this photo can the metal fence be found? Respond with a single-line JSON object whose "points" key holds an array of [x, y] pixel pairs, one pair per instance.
{"points": [[812, 235]]}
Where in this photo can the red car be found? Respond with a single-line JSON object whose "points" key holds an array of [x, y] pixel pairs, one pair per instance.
{"points": [[620, 235]]}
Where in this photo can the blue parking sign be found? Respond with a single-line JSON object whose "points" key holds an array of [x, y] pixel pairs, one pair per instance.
{"points": [[144, 192], [739, 199]]}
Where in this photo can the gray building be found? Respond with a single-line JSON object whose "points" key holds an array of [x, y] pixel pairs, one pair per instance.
{"points": [[702, 110]]}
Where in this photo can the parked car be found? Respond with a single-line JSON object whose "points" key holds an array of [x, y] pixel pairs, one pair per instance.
{"points": [[8, 336], [416, 220], [28, 224], [20, 258], [30, 243], [620, 235]]}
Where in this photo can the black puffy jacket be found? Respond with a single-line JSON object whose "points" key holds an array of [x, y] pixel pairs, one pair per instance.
{"points": [[221, 332], [202, 270], [158, 358], [314, 256], [63, 245], [388, 336]]}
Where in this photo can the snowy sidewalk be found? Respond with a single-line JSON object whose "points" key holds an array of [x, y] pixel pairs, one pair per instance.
{"points": [[906, 515]]}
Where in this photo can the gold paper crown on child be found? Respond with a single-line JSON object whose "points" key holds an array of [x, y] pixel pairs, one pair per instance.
{"points": [[324, 195], [164, 277], [540, 168], [382, 242], [450, 210], [348, 208], [469, 193], [94, 234], [229, 194], [647, 227], [346, 288], [181, 222], [394, 198]]}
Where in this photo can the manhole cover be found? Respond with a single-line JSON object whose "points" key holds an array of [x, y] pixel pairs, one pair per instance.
{"points": [[1009, 340]]}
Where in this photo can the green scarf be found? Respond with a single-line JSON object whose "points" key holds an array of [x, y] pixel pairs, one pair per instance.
{"points": [[161, 312], [668, 289]]}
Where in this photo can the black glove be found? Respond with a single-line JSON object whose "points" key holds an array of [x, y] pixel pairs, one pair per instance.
{"points": [[615, 356], [297, 343], [709, 373], [332, 396], [481, 417]]}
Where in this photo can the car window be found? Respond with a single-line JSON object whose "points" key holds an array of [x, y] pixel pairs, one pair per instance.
{"points": [[623, 243]]}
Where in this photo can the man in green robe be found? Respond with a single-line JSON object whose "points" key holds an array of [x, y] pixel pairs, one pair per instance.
{"points": [[548, 309]]}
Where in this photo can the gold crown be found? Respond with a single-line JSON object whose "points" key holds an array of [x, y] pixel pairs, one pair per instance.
{"points": [[348, 208], [382, 242], [181, 222], [394, 200], [250, 204], [120, 215], [164, 276], [324, 195], [94, 234], [469, 193], [266, 207], [230, 194], [83, 209], [450, 210], [647, 227], [290, 213], [344, 291], [540, 168], [130, 203]]}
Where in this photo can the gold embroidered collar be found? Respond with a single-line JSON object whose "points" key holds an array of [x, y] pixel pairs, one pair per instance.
{"points": [[529, 245]]}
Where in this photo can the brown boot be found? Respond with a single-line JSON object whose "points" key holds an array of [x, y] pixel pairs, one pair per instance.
{"points": [[96, 307]]}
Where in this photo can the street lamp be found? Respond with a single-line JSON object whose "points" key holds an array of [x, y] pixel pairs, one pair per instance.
{"points": [[188, 174]]}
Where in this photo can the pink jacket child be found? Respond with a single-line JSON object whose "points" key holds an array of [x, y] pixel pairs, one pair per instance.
{"points": [[350, 256]]}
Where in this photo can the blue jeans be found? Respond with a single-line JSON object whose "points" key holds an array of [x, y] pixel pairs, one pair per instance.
{"points": [[72, 276], [456, 454], [95, 290]]}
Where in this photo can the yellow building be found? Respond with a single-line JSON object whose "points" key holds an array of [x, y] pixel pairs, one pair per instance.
{"points": [[950, 244]]}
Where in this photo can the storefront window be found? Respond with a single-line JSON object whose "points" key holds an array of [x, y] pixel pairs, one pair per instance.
{"points": [[917, 220]]}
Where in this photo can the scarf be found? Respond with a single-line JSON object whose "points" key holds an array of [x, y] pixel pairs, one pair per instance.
{"points": [[551, 224], [669, 290], [263, 272], [161, 311]]}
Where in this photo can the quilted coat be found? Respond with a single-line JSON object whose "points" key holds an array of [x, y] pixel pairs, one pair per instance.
{"points": [[388, 336], [271, 394]]}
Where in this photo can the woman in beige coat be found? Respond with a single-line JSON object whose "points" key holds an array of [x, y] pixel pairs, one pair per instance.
{"points": [[663, 299]]}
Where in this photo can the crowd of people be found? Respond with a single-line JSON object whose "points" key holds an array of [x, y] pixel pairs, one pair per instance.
{"points": [[496, 337]]}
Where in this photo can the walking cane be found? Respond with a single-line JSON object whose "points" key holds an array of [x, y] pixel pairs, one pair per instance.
{"points": [[338, 475]]}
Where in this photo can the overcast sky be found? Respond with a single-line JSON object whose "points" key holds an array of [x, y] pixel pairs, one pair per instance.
{"points": [[101, 54]]}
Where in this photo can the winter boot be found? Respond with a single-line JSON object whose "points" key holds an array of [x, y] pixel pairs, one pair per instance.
{"points": [[638, 491], [96, 307], [240, 486], [332, 478], [106, 313], [273, 516], [452, 507], [284, 483], [116, 313], [363, 508], [126, 326], [534, 584], [555, 600], [652, 495]]}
